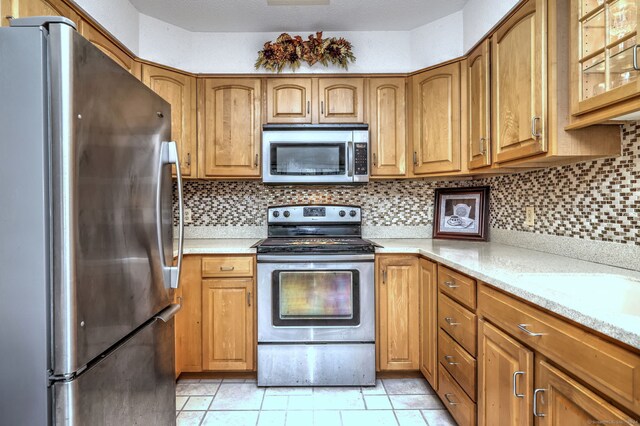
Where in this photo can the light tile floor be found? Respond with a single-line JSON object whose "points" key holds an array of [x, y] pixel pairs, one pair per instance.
{"points": [[241, 402]]}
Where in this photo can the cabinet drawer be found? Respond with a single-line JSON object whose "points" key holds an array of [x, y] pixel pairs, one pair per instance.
{"points": [[457, 286], [227, 266], [459, 322], [457, 402], [458, 362], [604, 365]]}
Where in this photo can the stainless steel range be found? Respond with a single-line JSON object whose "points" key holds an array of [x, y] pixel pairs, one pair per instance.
{"points": [[316, 303]]}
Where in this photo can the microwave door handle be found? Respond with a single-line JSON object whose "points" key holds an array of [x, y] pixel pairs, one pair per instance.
{"points": [[350, 159]]}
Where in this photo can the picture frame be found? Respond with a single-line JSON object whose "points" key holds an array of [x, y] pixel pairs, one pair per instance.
{"points": [[461, 213]]}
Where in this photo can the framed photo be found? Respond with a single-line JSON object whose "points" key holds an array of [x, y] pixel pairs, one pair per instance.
{"points": [[461, 213]]}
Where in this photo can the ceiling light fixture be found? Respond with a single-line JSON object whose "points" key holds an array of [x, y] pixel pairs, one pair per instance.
{"points": [[298, 2]]}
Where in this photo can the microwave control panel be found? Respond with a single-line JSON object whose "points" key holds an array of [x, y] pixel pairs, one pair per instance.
{"points": [[361, 159]]}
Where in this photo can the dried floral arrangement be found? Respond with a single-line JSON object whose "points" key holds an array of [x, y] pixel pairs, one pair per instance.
{"points": [[287, 50]]}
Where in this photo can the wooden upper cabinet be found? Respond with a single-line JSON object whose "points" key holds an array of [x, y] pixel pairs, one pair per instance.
{"points": [[387, 126], [603, 38], [24, 8], [109, 48], [478, 118], [398, 283], [564, 401], [341, 100], [228, 335], [289, 100], [429, 322], [180, 91], [505, 379], [518, 52], [229, 119], [436, 120]]}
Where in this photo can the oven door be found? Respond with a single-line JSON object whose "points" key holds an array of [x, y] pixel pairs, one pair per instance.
{"points": [[316, 299], [308, 157]]}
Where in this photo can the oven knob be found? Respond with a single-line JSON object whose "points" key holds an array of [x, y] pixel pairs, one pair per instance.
{"points": [[276, 213], [286, 213], [342, 213], [352, 213]]}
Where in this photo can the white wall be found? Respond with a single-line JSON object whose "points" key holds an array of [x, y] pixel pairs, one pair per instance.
{"points": [[119, 17], [480, 16], [437, 41], [376, 51]]}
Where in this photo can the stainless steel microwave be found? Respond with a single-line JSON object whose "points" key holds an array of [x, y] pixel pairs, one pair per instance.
{"points": [[315, 154]]}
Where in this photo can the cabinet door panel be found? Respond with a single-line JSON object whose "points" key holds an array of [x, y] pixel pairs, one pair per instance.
{"points": [[180, 91], [499, 358], [109, 48], [436, 138], [398, 292], [478, 99], [564, 401], [229, 128], [387, 124], [26, 8], [519, 121], [228, 324], [289, 100], [189, 318], [429, 322], [341, 100]]}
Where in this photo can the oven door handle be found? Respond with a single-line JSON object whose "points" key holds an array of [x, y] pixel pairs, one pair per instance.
{"points": [[350, 158]]}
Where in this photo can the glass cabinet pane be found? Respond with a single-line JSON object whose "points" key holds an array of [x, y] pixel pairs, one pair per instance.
{"points": [[593, 77], [621, 69], [593, 34], [622, 19]]}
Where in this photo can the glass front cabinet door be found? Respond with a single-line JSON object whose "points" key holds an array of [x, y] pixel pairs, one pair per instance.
{"points": [[605, 57]]}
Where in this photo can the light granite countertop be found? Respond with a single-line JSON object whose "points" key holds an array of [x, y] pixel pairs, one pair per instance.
{"points": [[600, 297]]}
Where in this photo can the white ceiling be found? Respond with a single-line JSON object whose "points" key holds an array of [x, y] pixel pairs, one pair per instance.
{"points": [[257, 16]]}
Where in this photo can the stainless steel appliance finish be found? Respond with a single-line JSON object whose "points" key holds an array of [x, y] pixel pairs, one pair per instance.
{"points": [[315, 154], [316, 301], [88, 238], [294, 364]]}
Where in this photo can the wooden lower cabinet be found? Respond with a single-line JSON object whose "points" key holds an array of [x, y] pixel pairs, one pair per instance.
{"points": [[457, 402], [398, 303], [562, 401], [188, 324], [429, 322], [228, 341], [505, 379]]}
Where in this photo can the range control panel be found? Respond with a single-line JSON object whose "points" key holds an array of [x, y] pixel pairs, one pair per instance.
{"points": [[361, 159], [314, 214]]}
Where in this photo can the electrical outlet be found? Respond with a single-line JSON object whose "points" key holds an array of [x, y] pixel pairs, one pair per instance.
{"points": [[187, 216], [529, 216]]}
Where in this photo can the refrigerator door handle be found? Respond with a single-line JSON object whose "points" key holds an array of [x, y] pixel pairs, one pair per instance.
{"points": [[169, 312], [169, 155]]}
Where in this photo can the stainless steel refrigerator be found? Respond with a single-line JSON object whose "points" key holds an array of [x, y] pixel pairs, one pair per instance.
{"points": [[86, 253]]}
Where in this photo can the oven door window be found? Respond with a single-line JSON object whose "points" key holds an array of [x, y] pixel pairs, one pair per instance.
{"points": [[291, 159], [316, 298]]}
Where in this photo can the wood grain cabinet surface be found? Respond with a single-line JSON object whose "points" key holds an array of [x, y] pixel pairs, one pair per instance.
{"points": [[429, 322], [478, 118], [24, 8], [398, 290], [289, 100], [188, 323], [436, 120], [109, 48], [387, 126], [229, 127], [341, 100], [180, 91]]}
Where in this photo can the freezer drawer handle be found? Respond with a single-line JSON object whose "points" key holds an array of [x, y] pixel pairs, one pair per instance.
{"points": [[169, 312], [169, 155]]}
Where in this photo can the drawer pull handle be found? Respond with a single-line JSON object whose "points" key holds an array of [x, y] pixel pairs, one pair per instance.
{"points": [[448, 357], [451, 321], [515, 384], [451, 284], [227, 268], [523, 327], [535, 402], [448, 398]]}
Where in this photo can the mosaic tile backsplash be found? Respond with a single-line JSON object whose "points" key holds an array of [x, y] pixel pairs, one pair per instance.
{"points": [[596, 200]]}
